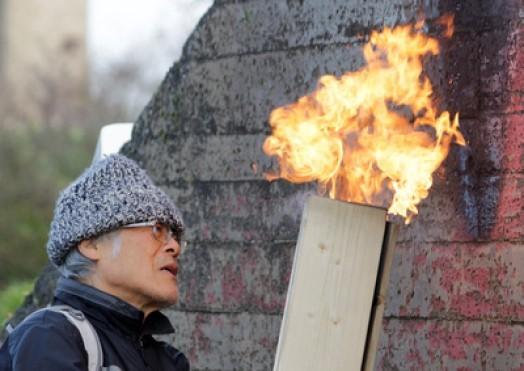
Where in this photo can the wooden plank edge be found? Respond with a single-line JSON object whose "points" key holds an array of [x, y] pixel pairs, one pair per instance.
{"points": [[379, 298]]}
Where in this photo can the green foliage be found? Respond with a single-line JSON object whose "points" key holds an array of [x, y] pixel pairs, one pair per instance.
{"points": [[36, 162], [12, 297]]}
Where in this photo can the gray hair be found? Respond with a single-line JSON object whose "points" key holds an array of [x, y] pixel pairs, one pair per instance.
{"points": [[78, 266]]}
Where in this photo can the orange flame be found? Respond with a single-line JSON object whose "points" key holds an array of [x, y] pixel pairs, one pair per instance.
{"points": [[372, 134]]}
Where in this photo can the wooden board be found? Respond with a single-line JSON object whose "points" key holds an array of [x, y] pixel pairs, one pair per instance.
{"points": [[333, 281]]}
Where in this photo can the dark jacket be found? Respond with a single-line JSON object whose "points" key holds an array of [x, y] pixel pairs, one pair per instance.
{"points": [[48, 341]]}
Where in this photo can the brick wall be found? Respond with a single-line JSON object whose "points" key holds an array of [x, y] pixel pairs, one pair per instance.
{"points": [[457, 288], [456, 298]]}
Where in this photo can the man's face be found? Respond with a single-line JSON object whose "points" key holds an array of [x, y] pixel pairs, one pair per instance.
{"points": [[138, 268]]}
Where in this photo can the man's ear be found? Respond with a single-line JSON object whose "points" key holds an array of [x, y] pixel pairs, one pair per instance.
{"points": [[90, 250]]}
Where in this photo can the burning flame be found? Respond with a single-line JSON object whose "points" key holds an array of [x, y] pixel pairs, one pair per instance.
{"points": [[372, 134]]}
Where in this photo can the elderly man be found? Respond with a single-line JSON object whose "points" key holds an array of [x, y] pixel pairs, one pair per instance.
{"points": [[116, 239]]}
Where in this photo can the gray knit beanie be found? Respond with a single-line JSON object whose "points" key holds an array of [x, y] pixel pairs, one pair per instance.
{"points": [[109, 194]]}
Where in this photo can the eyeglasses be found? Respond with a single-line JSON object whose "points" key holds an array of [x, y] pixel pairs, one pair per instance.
{"points": [[161, 232]]}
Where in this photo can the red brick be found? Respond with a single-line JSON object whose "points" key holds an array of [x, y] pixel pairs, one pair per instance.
{"points": [[501, 70], [514, 143], [218, 341], [450, 345], [504, 346], [233, 277], [430, 345], [495, 48], [516, 60], [509, 218], [515, 103], [467, 280], [424, 278]]}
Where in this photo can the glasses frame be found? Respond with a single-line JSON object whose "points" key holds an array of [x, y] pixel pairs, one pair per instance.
{"points": [[171, 235]]}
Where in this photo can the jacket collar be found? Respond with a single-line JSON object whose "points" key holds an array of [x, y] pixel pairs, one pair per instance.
{"points": [[110, 310]]}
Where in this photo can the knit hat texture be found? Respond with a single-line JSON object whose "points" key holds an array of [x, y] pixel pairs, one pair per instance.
{"points": [[110, 193]]}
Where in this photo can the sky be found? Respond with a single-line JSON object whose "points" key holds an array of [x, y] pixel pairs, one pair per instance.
{"points": [[147, 32]]}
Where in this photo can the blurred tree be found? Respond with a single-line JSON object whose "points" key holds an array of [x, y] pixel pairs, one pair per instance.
{"points": [[38, 159], [35, 163]]}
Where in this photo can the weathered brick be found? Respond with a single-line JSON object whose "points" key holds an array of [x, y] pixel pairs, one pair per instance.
{"points": [[501, 68], [229, 211], [286, 207], [485, 141], [242, 211], [514, 144], [219, 342], [468, 208], [404, 283], [481, 15], [416, 290], [516, 59], [237, 94], [473, 281], [159, 112], [208, 158], [458, 87], [442, 215], [494, 63], [504, 346], [262, 26], [495, 144], [450, 345], [234, 277], [509, 219], [430, 345]]}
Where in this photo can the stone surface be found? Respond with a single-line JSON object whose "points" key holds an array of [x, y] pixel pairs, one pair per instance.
{"points": [[235, 277], [501, 69], [471, 281], [422, 344], [509, 221], [232, 341], [208, 158], [235, 95], [285, 25], [458, 87], [241, 211]]}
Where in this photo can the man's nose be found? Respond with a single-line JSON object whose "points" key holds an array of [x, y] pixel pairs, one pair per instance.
{"points": [[172, 247]]}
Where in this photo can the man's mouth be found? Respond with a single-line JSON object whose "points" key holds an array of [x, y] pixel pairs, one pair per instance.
{"points": [[171, 268]]}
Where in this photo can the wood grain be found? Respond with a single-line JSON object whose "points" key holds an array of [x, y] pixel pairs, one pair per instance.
{"points": [[333, 281]]}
